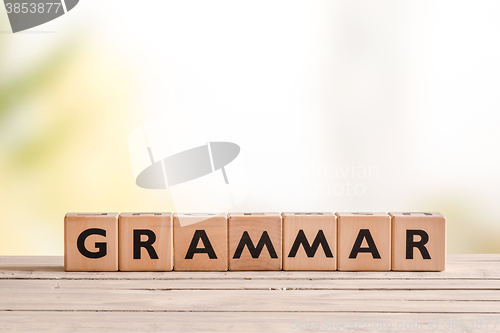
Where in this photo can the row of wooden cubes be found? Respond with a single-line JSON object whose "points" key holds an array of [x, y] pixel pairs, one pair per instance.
{"points": [[255, 241]]}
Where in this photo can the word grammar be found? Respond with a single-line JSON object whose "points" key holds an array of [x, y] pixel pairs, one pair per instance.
{"points": [[404, 241]]}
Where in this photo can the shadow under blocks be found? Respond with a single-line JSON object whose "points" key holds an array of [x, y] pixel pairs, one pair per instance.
{"points": [[307, 241]]}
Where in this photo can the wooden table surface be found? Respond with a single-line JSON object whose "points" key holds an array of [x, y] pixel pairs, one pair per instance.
{"points": [[36, 295]]}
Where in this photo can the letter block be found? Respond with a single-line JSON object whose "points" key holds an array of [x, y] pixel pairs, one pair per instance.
{"points": [[418, 241], [254, 241], [364, 241], [91, 242], [146, 242], [309, 241], [200, 242]]}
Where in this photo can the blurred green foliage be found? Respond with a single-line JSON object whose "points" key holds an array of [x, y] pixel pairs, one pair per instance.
{"points": [[22, 89]]}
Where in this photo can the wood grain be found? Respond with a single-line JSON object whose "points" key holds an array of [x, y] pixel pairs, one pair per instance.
{"points": [[312, 226], [207, 321], [257, 227], [160, 225], [434, 226], [36, 294], [350, 230], [106, 243], [211, 231]]}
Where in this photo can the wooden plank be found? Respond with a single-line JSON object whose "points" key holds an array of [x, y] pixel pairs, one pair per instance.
{"points": [[254, 284], [41, 288], [57, 299], [468, 273], [37, 295], [30, 321]]}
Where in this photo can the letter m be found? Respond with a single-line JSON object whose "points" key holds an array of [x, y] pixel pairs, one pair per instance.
{"points": [[255, 251], [310, 249]]}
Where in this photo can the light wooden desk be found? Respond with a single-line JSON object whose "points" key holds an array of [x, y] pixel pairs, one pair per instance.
{"points": [[37, 295]]}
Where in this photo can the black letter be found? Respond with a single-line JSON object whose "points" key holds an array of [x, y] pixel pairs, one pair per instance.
{"points": [[310, 250], [148, 245], [410, 244], [80, 243], [255, 252], [200, 234], [364, 233]]}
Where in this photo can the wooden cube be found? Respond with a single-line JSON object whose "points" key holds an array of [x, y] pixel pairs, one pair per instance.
{"points": [[146, 242], [364, 241], [91, 242], [309, 241], [254, 241], [200, 242], [418, 241]]}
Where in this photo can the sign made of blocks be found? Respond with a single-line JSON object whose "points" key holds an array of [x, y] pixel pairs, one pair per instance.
{"points": [[255, 241]]}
